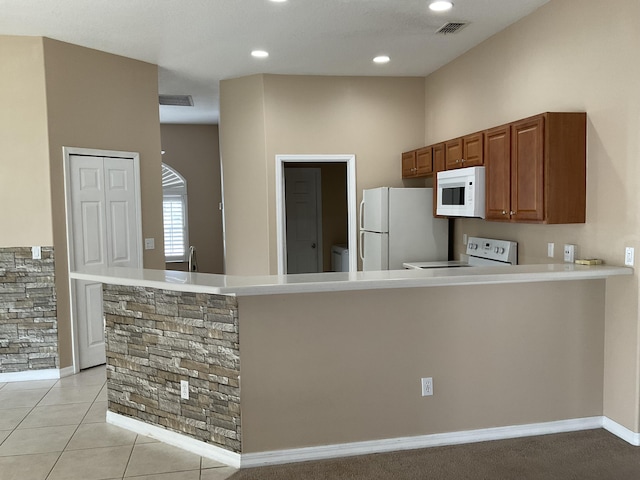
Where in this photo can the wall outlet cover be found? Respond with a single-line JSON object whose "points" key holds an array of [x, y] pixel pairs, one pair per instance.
{"points": [[569, 253], [184, 389], [427, 386], [629, 256]]}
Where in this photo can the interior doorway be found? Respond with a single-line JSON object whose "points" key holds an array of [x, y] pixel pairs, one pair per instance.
{"points": [[332, 219], [103, 230], [303, 206]]}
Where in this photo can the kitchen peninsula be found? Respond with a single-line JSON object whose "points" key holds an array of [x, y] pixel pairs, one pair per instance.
{"points": [[331, 363]]}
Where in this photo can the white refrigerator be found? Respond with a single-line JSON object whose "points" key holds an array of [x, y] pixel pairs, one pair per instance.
{"points": [[397, 226]]}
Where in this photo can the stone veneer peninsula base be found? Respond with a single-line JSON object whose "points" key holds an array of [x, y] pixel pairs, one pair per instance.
{"points": [[335, 370], [156, 339]]}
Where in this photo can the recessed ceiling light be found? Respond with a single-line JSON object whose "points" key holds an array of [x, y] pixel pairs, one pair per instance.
{"points": [[259, 54], [382, 59], [440, 6]]}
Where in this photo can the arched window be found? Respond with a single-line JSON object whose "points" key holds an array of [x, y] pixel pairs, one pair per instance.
{"points": [[174, 213]]}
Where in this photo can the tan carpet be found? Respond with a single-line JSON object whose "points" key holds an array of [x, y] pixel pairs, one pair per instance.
{"points": [[591, 454]]}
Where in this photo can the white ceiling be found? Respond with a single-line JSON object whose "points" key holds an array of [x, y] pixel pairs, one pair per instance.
{"points": [[197, 43]]}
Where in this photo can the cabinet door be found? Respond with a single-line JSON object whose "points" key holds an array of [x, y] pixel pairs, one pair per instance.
{"points": [[453, 154], [497, 158], [409, 164], [424, 162], [472, 154], [527, 170], [438, 154]]}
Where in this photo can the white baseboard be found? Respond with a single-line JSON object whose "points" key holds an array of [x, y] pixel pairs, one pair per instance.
{"points": [[623, 432], [31, 375], [176, 439], [324, 452], [422, 441]]}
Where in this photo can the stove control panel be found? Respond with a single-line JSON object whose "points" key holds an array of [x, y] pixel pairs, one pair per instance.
{"points": [[492, 249]]}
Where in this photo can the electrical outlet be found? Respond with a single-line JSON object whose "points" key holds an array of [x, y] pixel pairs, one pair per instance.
{"points": [[427, 386], [36, 253], [149, 243], [550, 247], [184, 389], [569, 253], [628, 256], [464, 238]]}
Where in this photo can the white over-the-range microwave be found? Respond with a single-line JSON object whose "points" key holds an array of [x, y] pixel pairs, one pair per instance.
{"points": [[461, 192]]}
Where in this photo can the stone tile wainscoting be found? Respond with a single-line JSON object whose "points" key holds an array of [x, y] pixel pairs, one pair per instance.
{"points": [[157, 338], [28, 311]]}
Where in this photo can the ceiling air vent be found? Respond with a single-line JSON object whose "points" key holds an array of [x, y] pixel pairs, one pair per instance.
{"points": [[176, 100], [451, 27]]}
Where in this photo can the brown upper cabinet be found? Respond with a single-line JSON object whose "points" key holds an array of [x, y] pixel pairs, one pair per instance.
{"points": [[417, 163], [536, 169], [465, 151]]}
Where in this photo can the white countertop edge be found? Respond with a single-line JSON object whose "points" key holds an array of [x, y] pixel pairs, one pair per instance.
{"points": [[235, 285]]}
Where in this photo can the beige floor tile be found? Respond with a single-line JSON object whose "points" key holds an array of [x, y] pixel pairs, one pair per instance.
{"points": [[52, 415], [37, 440], [10, 418], [209, 463], [156, 458], [142, 440], [189, 475], [97, 413], [30, 385], [93, 376], [94, 435], [98, 463], [27, 467], [221, 473], [4, 434], [102, 396], [21, 398], [60, 396]]}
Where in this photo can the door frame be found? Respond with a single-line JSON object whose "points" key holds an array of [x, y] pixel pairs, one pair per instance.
{"points": [[67, 152], [281, 237]]}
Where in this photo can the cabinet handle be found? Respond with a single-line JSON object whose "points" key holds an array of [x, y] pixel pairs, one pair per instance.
{"points": [[504, 212], [512, 212]]}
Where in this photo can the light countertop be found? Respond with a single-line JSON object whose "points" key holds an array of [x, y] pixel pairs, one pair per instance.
{"points": [[332, 282]]}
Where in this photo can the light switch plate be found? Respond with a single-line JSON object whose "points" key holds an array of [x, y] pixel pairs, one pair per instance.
{"points": [[149, 243], [550, 248], [36, 253]]}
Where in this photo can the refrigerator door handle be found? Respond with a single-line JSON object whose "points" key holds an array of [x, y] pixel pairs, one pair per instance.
{"points": [[361, 213], [361, 245]]}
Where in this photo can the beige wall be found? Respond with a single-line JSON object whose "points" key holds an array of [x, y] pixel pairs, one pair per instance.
{"points": [[194, 152], [329, 368], [567, 56], [25, 192], [374, 118], [244, 184], [102, 101]]}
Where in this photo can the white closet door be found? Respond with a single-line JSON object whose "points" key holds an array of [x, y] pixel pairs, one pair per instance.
{"points": [[104, 225]]}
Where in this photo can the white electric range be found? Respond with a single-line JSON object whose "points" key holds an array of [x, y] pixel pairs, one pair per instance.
{"points": [[480, 251]]}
